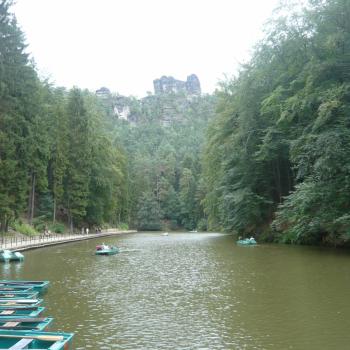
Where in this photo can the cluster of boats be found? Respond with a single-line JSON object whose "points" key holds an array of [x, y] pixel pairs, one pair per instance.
{"points": [[21, 323]]}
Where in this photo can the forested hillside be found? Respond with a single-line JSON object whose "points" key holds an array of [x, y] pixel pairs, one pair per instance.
{"points": [[274, 162], [57, 160], [163, 150], [67, 158], [278, 152]]}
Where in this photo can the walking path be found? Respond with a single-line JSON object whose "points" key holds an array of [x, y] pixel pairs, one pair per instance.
{"points": [[32, 242]]}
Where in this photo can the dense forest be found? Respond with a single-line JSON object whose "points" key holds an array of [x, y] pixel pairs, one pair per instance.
{"points": [[266, 155], [67, 161], [277, 158]]}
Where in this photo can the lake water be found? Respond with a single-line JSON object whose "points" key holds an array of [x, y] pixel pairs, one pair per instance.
{"points": [[194, 291]]}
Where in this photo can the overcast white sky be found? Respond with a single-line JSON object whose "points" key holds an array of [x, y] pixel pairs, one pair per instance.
{"points": [[125, 44]]}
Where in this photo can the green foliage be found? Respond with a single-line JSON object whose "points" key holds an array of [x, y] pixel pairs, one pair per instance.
{"points": [[123, 226], [57, 228], [163, 151], [279, 145], [24, 228], [148, 215]]}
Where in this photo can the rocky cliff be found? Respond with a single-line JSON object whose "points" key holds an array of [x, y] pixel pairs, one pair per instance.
{"points": [[166, 85]]}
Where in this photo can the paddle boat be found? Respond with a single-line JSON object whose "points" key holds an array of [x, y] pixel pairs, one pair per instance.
{"points": [[23, 313], [8, 255], [10, 295], [16, 340], [38, 286], [104, 249], [27, 323], [19, 303], [247, 241]]}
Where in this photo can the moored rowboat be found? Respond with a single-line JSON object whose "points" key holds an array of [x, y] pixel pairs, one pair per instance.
{"points": [[19, 303], [39, 286], [16, 289], [24, 312], [35, 340], [10, 295], [26, 323]]}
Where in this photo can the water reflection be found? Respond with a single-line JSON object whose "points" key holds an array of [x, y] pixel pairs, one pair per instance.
{"points": [[194, 291], [10, 270]]}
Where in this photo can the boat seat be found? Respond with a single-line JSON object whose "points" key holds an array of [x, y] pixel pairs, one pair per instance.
{"points": [[11, 324], [21, 344], [7, 312]]}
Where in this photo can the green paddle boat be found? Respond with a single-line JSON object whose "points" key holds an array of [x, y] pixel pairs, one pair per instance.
{"points": [[247, 241], [16, 340], [104, 249], [8, 255], [27, 323]]}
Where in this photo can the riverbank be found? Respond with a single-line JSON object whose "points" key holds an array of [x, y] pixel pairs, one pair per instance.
{"points": [[34, 242]]}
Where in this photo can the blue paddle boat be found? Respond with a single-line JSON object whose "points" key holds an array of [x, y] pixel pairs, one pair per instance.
{"points": [[16, 340]]}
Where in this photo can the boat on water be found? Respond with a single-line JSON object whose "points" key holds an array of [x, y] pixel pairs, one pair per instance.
{"points": [[10, 295], [38, 286], [26, 323], [247, 241], [19, 303], [165, 234], [17, 340], [24, 312], [104, 249], [16, 289], [8, 255], [194, 231]]}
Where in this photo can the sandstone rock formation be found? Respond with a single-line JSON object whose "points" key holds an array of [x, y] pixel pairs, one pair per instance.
{"points": [[166, 85]]}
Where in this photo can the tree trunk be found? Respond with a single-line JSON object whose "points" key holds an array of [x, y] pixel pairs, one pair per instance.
{"points": [[31, 199], [54, 211]]}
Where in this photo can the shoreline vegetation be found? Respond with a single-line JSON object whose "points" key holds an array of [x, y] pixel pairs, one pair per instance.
{"points": [[267, 155]]}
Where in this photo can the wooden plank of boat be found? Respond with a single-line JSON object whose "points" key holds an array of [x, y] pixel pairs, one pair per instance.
{"points": [[34, 336], [19, 301], [10, 324], [23, 343]]}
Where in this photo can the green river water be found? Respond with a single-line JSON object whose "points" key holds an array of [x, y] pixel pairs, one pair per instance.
{"points": [[194, 291]]}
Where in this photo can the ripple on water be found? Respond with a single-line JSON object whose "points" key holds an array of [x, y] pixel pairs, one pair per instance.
{"points": [[193, 291]]}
